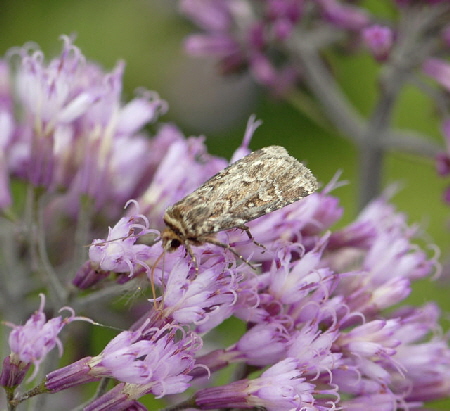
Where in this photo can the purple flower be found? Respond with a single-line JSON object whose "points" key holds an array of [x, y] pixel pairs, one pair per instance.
{"points": [[443, 164], [217, 19], [88, 275], [292, 279], [244, 150], [260, 36], [205, 299], [281, 387], [342, 15], [237, 36], [439, 70], [315, 350], [213, 15], [7, 155], [118, 252], [30, 343], [147, 360], [370, 348], [13, 372], [320, 323], [165, 363], [117, 399], [422, 361], [263, 344], [74, 374], [386, 260], [391, 359], [443, 159], [379, 40], [316, 304]]}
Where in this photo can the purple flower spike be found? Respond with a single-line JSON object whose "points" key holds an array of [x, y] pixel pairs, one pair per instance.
{"points": [[281, 387], [72, 128], [147, 360], [317, 314], [157, 364], [263, 344]]}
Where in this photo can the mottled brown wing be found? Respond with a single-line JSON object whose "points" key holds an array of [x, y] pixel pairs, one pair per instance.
{"points": [[264, 181]]}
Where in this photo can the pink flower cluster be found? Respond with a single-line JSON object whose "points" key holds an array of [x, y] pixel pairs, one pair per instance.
{"points": [[324, 323]]}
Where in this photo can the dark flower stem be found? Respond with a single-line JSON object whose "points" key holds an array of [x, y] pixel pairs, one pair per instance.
{"points": [[40, 389], [417, 38]]}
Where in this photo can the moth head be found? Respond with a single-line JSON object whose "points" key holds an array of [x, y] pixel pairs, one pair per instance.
{"points": [[170, 240]]}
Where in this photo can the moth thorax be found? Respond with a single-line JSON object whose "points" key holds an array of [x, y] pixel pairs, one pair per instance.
{"points": [[170, 240]]}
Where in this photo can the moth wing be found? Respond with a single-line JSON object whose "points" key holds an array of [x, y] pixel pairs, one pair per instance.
{"points": [[264, 181]]}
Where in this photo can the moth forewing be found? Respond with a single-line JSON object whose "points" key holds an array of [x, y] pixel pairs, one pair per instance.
{"points": [[264, 181]]}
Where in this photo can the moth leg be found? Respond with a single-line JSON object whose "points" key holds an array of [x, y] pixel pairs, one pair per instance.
{"points": [[250, 236], [228, 247], [189, 251]]}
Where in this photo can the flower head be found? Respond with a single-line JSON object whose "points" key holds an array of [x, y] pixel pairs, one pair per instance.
{"points": [[258, 35], [281, 387], [118, 252], [73, 127], [147, 360], [319, 313], [31, 342], [379, 40]]}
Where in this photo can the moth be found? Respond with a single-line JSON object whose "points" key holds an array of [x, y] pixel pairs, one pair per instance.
{"points": [[259, 183]]}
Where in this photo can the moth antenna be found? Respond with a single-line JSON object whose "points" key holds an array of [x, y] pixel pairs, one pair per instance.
{"points": [[162, 279], [152, 279], [192, 255], [108, 241], [121, 238], [107, 326]]}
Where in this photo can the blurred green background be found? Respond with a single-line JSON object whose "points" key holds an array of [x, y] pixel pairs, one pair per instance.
{"points": [[148, 35]]}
